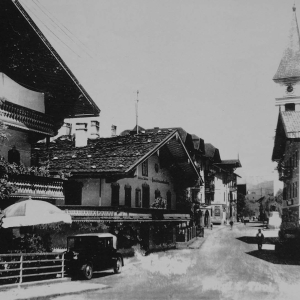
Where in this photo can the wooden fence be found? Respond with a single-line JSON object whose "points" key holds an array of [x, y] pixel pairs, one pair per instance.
{"points": [[20, 267]]}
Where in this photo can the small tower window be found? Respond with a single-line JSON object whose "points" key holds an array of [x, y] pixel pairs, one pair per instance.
{"points": [[157, 193], [290, 107]]}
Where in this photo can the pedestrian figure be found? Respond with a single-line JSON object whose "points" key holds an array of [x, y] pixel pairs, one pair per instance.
{"points": [[245, 221], [231, 224], [260, 239], [211, 226]]}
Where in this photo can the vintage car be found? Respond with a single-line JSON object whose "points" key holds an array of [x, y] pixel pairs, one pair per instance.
{"points": [[87, 253]]}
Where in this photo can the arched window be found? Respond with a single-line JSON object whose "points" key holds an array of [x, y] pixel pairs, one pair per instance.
{"points": [[115, 194], [157, 193], [138, 198], [127, 195], [169, 200], [14, 156]]}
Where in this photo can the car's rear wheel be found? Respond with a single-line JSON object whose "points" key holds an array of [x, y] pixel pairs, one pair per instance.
{"points": [[118, 266], [87, 271]]}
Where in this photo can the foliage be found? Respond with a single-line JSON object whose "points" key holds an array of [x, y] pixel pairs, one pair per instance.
{"points": [[243, 207], [3, 134], [159, 203]]}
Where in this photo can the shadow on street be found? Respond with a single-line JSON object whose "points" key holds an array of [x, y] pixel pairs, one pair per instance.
{"points": [[253, 240], [270, 256]]}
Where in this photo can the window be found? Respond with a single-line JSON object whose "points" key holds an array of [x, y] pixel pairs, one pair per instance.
{"points": [[138, 197], [115, 194], [145, 168], [156, 193], [14, 156], [169, 200], [296, 189], [293, 190], [127, 195], [146, 195]]}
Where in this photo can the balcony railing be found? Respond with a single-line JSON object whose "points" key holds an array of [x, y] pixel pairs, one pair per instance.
{"points": [[26, 118], [37, 187], [123, 214]]}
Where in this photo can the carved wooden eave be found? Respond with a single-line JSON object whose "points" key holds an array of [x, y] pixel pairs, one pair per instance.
{"points": [[27, 57]]}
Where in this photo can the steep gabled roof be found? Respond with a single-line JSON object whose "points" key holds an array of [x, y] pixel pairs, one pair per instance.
{"points": [[116, 155], [28, 58]]}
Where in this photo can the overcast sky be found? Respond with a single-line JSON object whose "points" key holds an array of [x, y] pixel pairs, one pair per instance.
{"points": [[204, 65]]}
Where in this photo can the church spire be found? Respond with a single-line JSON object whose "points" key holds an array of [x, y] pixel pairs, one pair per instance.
{"points": [[288, 72]]}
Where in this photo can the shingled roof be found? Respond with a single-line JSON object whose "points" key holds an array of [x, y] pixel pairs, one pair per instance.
{"points": [[115, 155], [27, 57]]}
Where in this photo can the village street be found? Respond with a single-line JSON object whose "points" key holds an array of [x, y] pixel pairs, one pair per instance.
{"points": [[226, 266]]}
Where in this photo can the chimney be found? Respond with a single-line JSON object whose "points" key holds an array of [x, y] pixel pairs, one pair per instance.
{"points": [[113, 130], [81, 135]]}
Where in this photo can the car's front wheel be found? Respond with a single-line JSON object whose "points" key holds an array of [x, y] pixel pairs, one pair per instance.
{"points": [[118, 266], [87, 271]]}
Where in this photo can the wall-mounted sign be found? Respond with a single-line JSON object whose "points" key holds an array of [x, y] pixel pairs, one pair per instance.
{"points": [[160, 180]]}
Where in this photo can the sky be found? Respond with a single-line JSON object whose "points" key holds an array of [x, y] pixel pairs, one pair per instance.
{"points": [[203, 65]]}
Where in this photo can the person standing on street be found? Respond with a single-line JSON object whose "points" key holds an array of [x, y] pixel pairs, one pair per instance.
{"points": [[231, 224], [260, 239]]}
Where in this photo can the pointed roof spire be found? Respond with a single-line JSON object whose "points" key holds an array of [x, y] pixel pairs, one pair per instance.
{"points": [[288, 72]]}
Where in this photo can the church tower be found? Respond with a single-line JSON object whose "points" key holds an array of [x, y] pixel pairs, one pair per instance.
{"points": [[287, 138], [288, 73]]}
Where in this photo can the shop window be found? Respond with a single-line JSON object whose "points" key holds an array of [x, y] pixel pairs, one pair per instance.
{"points": [[127, 195], [138, 197], [145, 168], [146, 195], [169, 200], [157, 193], [115, 194], [14, 156]]}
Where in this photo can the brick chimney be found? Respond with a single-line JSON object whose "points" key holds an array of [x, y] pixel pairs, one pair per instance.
{"points": [[81, 135], [113, 130]]}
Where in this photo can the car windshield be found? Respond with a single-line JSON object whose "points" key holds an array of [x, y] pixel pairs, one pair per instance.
{"points": [[81, 242]]}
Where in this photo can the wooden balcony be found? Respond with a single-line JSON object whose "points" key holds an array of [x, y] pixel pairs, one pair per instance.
{"points": [[44, 188], [26, 118]]}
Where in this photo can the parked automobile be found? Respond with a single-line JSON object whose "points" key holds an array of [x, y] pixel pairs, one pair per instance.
{"points": [[87, 253]]}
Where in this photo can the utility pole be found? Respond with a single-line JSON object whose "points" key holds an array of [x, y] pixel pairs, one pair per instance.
{"points": [[137, 111]]}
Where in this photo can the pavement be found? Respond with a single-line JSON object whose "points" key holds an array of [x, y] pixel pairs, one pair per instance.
{"points": [[207, 232], [48, 289], [64, 286]]}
